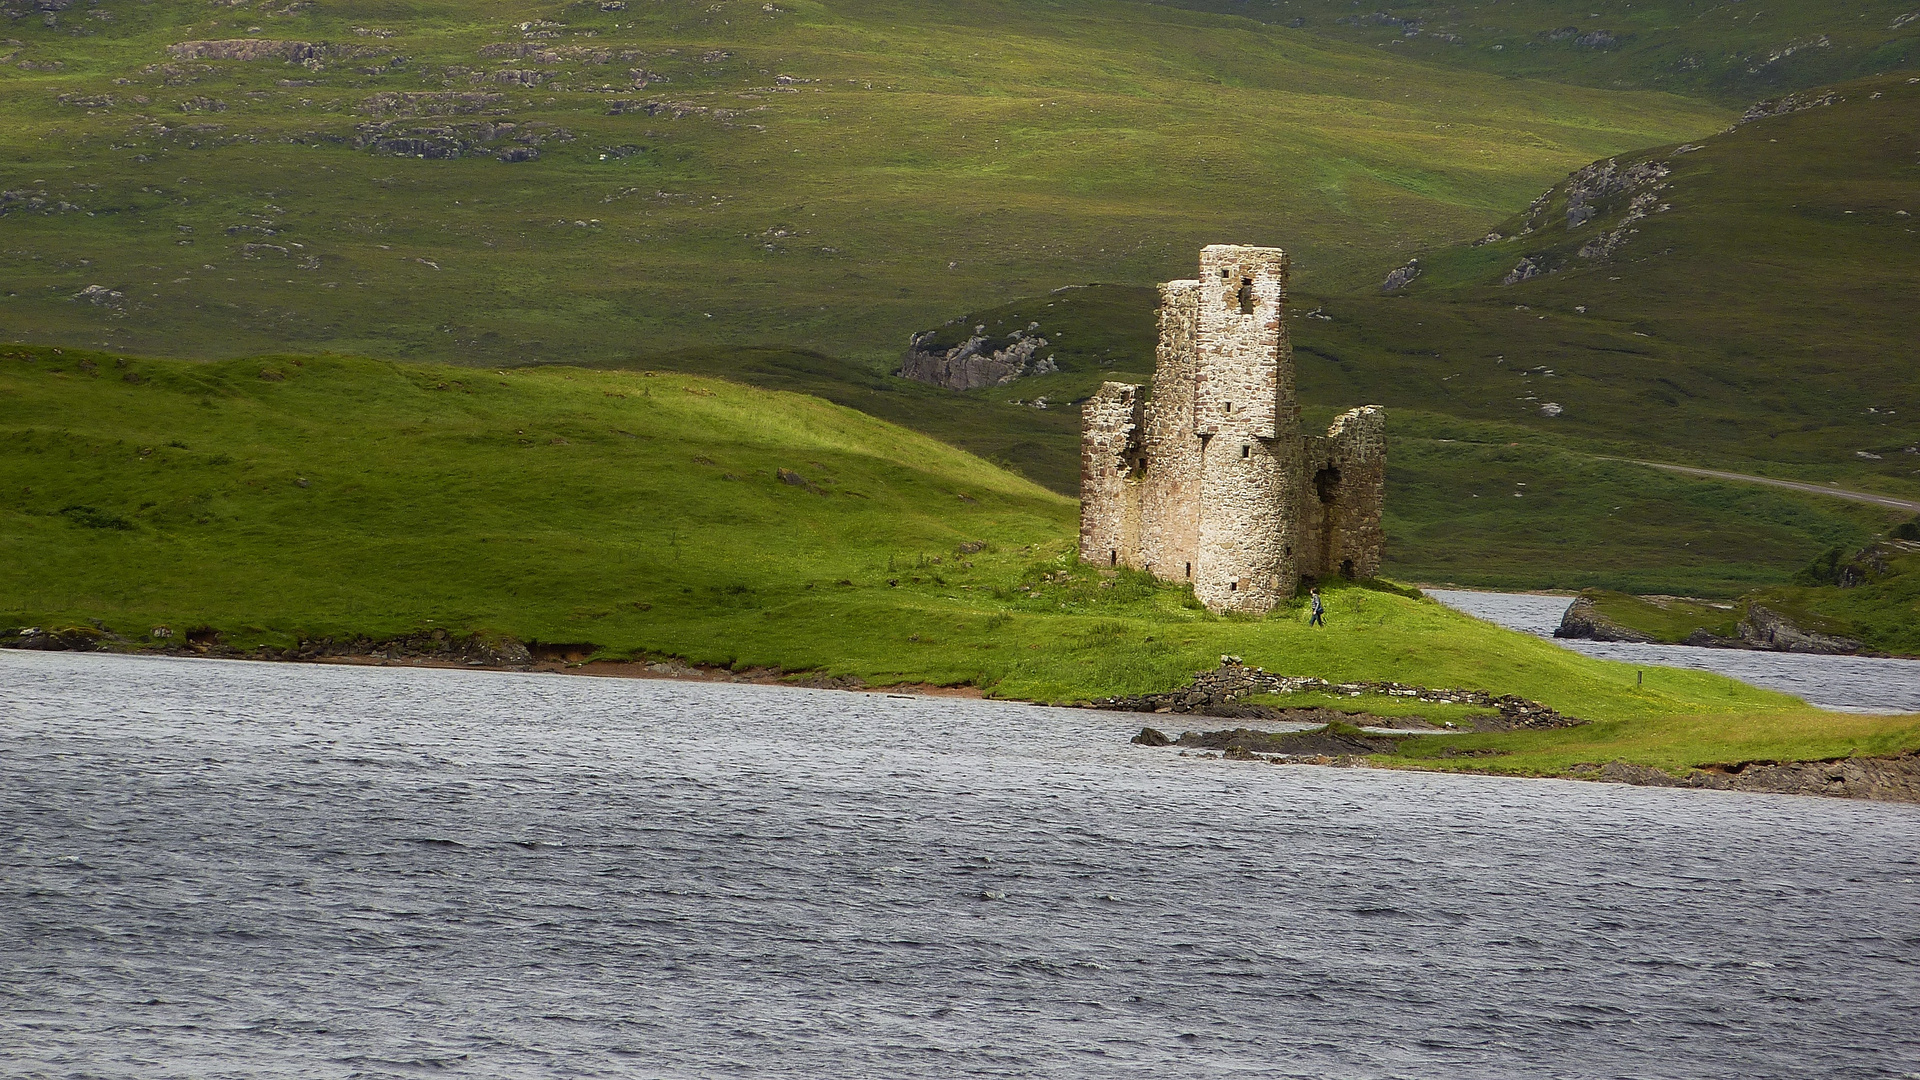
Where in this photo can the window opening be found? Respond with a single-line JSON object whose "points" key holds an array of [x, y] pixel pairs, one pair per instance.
{"points": [[1326, 484], [1246, 451], [1246, 296], [1113, 558], [1189, 569]]}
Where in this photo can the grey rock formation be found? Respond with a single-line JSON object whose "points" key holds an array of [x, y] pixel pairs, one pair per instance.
{"points": [[1792, 103], [1881, 779], [1523, 270], [1402, 277], [1583, 621], [1604, 179], [248, 49], [1764, 628], [977, 362], [1222, 692]]}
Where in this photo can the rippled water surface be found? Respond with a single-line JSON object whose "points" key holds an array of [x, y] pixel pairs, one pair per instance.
{"points": [[1849, 683], [227, 869]]}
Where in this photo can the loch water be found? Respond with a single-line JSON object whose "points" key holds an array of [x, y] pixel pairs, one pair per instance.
{"points": [[1865, 684], [214, 869]]}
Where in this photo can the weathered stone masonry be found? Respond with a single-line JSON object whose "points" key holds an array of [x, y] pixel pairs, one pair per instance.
{"points": [[1209, 480]]}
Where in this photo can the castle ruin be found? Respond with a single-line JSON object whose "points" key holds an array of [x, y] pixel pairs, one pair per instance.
{"points": [[1208, 479]]}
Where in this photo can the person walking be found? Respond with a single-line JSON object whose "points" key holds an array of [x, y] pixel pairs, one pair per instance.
{"points": [[1319, 612]]}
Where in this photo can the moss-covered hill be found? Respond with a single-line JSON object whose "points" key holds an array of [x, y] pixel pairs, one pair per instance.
{"points": [[1733, 52], [517, 180], [620, 513], [1746, 300]]}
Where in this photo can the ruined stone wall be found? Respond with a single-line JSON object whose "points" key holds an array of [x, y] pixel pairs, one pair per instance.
{"points": [[1209, 479], [1110, 428], [1240, 333], [1342, 491], [1244, 405], [1170, 488]]}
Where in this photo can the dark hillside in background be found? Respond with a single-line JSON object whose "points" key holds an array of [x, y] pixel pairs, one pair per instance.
{"points": [[1748, 301], [1733, 52], [783, 194], [1751, 299]]}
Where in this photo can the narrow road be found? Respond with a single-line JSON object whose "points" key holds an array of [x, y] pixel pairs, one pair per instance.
{"points": [[1792, 485]]}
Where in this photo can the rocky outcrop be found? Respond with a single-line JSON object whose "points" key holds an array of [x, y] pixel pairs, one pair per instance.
{"points": [[1602, 182], [60, 639], [429, 103], [436, 142], [1244, 743], [1523, 270], [976, 362], [1882, 779], [1764, 628], [1761, 628], [248, 49], [1222, 692], [1402, 277], [1792, 103], [1583, 621], [472, 651]]}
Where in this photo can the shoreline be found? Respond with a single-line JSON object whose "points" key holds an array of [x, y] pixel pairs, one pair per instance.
{"points": [[1876, 779]]}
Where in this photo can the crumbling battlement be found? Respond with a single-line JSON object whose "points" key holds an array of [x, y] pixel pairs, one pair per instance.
{"points": [[1208, 479]]}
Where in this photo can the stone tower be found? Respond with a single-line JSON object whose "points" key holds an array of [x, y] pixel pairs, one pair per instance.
{"points": [[1208, 479]]}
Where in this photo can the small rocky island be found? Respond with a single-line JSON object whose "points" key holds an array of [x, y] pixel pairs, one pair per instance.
{"points": [[1239, 692]]}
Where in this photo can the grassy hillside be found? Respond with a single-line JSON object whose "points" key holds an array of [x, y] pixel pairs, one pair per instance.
{"points": [[1758, 313], [1747, 299], [1033, 428], [1871, 596], [282, 496], [1731, 51], [827, 175], [1469, 502], [1759, 310], [276, 498]]}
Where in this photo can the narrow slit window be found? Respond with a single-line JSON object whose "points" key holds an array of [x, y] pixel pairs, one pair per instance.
{"points": [[1246, 296], [1113, 558], [1246, 451], [1189, 569]]}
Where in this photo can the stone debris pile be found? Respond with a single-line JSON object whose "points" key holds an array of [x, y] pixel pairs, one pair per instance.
{"points": [[1231, 683]]}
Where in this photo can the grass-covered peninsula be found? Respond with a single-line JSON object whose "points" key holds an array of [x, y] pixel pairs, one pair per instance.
{"points": [[634, 514]]}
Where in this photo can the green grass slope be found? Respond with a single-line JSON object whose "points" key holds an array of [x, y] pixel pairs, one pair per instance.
{"points": [[1731, 51], [1871, 596], [276, 498], [1758, 307], [1757, 312], [331, 495], [1032, 428], [827, 175]]}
